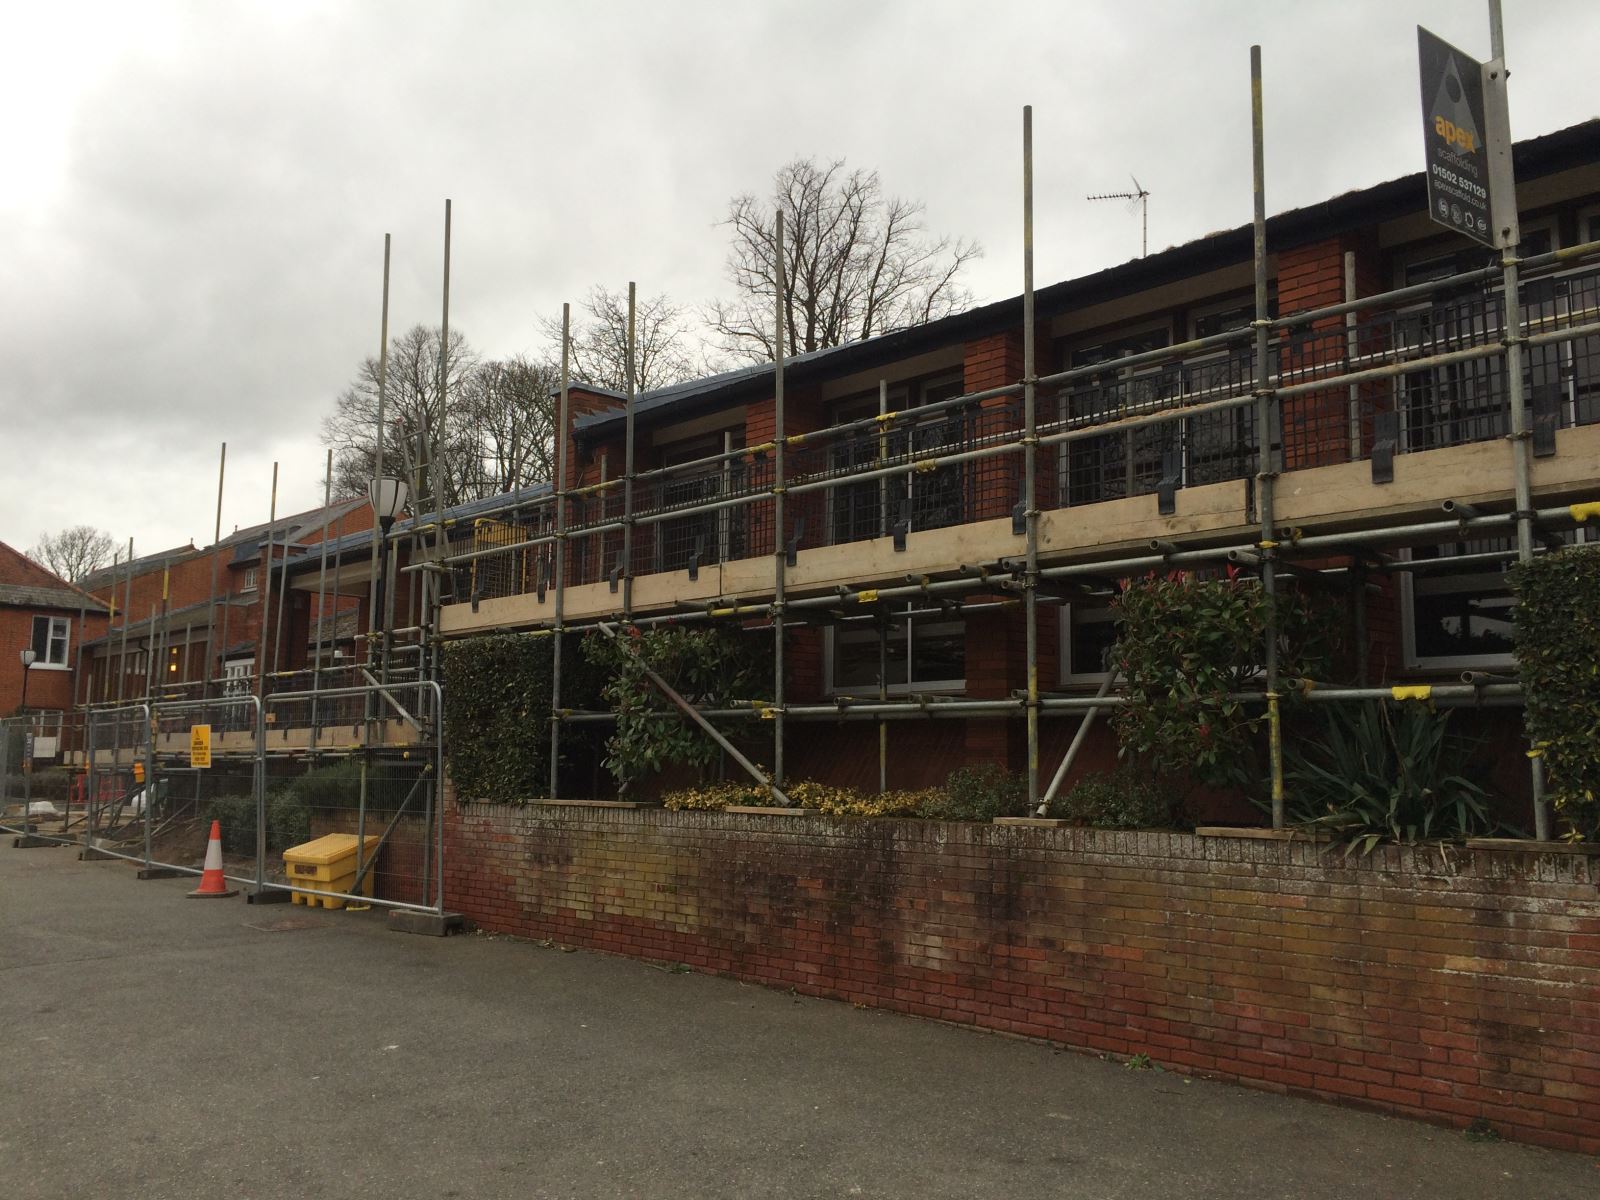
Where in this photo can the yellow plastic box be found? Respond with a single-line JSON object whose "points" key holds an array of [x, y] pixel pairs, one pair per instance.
{"points": [[327, 864]]}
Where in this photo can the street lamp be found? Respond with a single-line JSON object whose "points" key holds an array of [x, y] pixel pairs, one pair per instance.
{"points": [[29, 657], [388, 496]]}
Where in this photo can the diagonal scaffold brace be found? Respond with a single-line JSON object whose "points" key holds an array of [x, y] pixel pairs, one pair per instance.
{"points": [[697, 717]]}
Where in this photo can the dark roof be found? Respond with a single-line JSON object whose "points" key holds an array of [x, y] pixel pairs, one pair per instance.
{"points": [[172, 621], [362, 538], [247, 542], [1354, 209], [27, 584]]}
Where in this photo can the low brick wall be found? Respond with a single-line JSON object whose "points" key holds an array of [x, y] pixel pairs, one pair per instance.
{"points": [[1450, 985]]}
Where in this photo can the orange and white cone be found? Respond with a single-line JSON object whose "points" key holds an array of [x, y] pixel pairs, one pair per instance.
{"points": [[212, 884]]}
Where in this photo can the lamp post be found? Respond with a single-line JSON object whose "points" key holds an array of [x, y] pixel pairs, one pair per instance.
{"points": [[388, 496], [29, 657]]}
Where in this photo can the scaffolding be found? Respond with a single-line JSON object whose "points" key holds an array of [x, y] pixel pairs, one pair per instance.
{"points": [[1267, 382], [1358, 381]]}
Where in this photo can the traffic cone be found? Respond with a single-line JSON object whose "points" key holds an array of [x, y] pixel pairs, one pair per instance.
{"points": [[212, 885]]}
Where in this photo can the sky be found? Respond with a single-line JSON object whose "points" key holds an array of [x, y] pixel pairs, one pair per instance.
{"points": [[193, 197]]}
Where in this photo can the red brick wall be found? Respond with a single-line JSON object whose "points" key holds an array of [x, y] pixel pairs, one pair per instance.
{"points": [[1450, 986]]}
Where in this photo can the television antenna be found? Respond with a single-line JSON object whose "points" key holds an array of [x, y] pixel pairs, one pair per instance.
{"points": [[1139, 196]]}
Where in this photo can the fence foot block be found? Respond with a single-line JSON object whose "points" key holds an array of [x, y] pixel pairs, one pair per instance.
{"points": [[28, 842], [91, 854], [431, 924], [161, 873], [268, 896]]}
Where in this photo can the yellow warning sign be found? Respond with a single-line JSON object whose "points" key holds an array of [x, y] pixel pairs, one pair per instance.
{"points": [[199, 745]]}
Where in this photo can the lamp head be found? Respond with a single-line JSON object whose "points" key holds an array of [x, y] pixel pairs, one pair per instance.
{"points": [[388, 496], [29, 657]]}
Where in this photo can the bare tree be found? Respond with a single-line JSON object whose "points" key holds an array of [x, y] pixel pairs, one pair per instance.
{"points": [[411, 414], [857, 263], [513, 418], [74, 552], [499, 424], [662, 337]]}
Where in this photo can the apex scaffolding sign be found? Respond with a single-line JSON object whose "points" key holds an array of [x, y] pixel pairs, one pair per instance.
{"points": [[1467, 138]]}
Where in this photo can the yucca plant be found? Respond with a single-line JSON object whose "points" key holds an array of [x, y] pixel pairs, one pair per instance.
{"points": [[1386, 771]]}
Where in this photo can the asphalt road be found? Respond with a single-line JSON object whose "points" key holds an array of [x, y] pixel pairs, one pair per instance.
{"points": [[152, 1046]]}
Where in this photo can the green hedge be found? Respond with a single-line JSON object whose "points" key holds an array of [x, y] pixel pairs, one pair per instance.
{"points": [[1558, 656], [497, 711]]}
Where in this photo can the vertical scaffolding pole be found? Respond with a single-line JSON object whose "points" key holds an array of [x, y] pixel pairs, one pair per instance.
{"points": [[373, 615], [560, 552], [779, 548], [127, 617], [211, 606], [111, 625], [627, 467], [1030, 441], [266, 594], [883, 623], [322, 597], [1266, 471], [1508, 235], [1351, 350], [433, 584]]}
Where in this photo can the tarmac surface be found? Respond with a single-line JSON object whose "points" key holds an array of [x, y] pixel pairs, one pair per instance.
{"points": [[152, 1046]]}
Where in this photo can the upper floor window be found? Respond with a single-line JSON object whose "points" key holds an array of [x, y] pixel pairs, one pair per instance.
{"points": [[1128, 463], [717, 535], [50, 638], [924, 499], [248, 582], [1460, 402]]}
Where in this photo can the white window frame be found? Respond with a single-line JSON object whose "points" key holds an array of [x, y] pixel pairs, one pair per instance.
{"points": [[1464, 584], [64, 624], [868, 634], [1070, 673], [248, 584]]}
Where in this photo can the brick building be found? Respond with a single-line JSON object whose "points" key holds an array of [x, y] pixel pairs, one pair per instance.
{"points": [[42, 612], [1114, 347], [161, 606]]}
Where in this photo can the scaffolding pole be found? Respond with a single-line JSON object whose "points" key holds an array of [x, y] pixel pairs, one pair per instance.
{"points": [[1266, 467], [627, 460], [1507, 236], [373, 613], [560, 552], [780, 548], [216, 557], [1030, 441]]}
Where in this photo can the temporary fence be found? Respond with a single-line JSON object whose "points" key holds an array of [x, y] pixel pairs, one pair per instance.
{"points": [[143, 783]]}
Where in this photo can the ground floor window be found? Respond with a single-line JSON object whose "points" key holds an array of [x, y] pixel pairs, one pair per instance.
{"points": [[922, 652], [1458, 610]]}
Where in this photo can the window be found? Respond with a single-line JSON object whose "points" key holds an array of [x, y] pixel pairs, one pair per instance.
{"points": [[923, 654], [248, 583], [925, 500], [715, 536], [236, 675], [1088, 631], [1118, 464], [1565, 376], [1460, 614], [50, 638], [1220, 445], [1459, 402]]}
